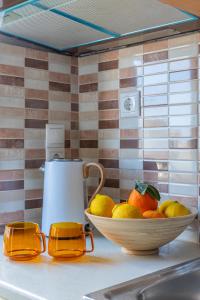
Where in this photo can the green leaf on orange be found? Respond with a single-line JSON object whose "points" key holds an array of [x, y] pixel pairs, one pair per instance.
{"points": [[144, 188]]}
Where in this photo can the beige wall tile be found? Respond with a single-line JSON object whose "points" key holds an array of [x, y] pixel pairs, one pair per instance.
{"points": [[109, 56], [112, 114], [110, 75], [36, 74], [38, 114], [155, 46], [59, 96], [183, 40], [11, 154]]}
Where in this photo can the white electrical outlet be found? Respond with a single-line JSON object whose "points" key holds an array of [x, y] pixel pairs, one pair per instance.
{"points": [[130, 104]]}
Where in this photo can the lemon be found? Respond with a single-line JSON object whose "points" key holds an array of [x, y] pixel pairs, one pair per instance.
{"points": [[125, 210], [102, 205], [176, 209], [164, 206]]}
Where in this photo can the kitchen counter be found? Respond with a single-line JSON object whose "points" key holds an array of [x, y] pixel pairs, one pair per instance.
{"points": [[70, 280]]}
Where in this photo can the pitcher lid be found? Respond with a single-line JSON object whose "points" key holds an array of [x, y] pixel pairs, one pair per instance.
{"points": [[65, 160]]}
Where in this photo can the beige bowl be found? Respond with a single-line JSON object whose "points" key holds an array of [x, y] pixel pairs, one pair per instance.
{"points": [[141, 236]]}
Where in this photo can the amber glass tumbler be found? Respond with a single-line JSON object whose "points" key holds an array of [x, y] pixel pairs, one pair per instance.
{"points": [[68, 239], [23, 241]]}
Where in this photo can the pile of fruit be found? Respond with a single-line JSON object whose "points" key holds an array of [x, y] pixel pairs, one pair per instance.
{"points": [[142, 203]]}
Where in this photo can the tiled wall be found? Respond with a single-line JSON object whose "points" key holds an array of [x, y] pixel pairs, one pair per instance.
{"points": [[35, 88], [159, 146]]}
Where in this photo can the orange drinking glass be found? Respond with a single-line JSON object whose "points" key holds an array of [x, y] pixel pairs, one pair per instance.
{"points": [[68, 239], [23, 241]]}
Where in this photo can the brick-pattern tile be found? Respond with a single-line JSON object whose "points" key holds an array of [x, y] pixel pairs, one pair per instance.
{"points": [[159, 146], [34, 90]]}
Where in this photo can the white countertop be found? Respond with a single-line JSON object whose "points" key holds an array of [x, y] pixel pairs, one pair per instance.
{"points": [[70, 280]]}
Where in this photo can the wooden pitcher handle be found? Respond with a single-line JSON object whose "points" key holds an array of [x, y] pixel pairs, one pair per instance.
{"points": [[86, 168]]}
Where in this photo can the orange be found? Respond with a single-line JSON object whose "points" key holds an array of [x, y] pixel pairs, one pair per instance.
{"points": [[144, 196], [143, 202], [151, 214]]}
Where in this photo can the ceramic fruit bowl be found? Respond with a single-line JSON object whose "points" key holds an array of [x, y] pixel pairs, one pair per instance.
{"points": [[141, 236]]}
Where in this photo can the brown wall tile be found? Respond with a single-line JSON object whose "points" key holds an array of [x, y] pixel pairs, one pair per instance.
{"points": [[57, 86], [11, 143], [35, 154], [74, 107], [89, 134], [11, 185], [130, 82], [33, 103], [11, 133], [11, 80], [34, 203], [153, 165], [128, 144], [113, 183], [109, 65], [11, 175], [91, 87], [7, 217], [88, 144], [130, 72], [33, 163], [109, 114], [103, 105], [108, 153], [155, 56], [108, 124], [33, 194], [59, 77], [36, 94], [89, 78], [110, 163], [36, 64], [129, 133], [12, 70], [30, 123], [108, 95], [67, 143]]}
